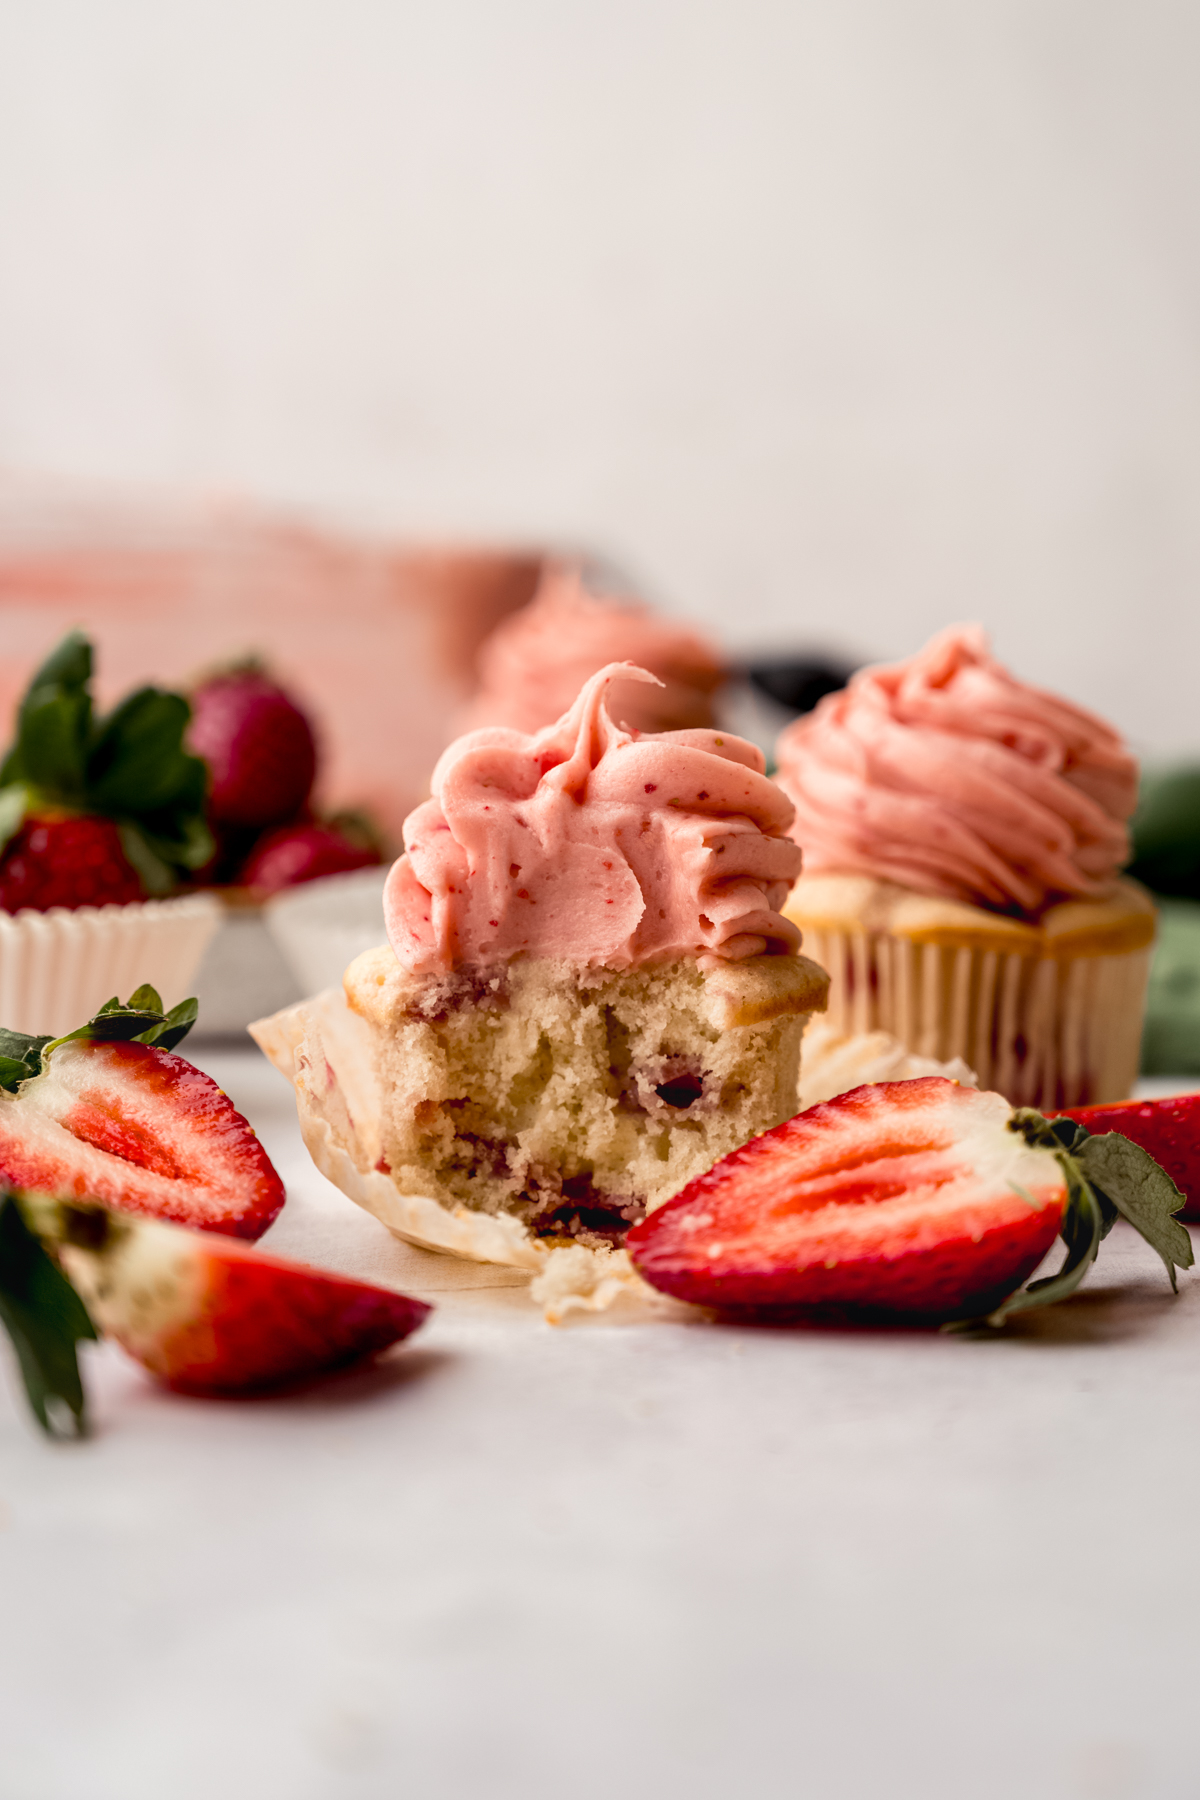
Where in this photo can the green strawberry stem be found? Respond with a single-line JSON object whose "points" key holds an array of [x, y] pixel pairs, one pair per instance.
{"points": [[140, 1019], [1108, 1177]]}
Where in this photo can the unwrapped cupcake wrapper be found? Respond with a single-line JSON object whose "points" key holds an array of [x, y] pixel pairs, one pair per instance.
{"points": [[58, 967], [1041, 1030]]}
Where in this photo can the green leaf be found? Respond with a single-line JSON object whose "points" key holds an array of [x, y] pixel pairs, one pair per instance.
{"points": [[113, 1025], [54, 723], [140, 1020], [1082, 1230], [69, 664], [153, 871], [52, 736], [137, 763], [1141, 1191], [140, 773], [175, 1026], [46, 1320], [183, 839], [143, 999], [13, 802], [20, 1057]]}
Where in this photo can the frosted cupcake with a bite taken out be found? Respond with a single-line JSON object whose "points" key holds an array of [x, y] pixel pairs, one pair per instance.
{"points": [[963, 836], [589, 993]]}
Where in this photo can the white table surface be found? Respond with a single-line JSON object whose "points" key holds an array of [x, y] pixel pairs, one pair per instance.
{"points": [[625, 1556]]}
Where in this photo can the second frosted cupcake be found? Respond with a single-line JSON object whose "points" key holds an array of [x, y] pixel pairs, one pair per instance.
{"points": [[963, 836]]}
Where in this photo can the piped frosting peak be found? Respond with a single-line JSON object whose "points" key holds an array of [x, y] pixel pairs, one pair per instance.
{"points": [[595, 844]]}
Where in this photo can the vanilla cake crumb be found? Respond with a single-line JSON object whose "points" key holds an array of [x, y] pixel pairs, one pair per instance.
{"points": [[577, 1100]]}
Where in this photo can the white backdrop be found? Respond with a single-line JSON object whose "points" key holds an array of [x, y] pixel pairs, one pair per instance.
{"points": [[828, 321]]}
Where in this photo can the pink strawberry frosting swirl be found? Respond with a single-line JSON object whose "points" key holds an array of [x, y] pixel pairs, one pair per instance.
{"points": [[947, 775], [594, 844]]}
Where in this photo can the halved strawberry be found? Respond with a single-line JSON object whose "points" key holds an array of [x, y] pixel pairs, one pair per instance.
{"points": [[1169, 1129], [140, 1129], [920, 1200], [906, 1197], [209, 1316]]}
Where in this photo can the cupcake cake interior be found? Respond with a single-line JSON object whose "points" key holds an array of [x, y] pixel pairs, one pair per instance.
{"points": [[577, 1099], [590, 993]]}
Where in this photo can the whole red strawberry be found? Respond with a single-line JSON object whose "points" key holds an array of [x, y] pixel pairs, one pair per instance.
{"points": [[297, 853], [72, 861], [258, 745]]}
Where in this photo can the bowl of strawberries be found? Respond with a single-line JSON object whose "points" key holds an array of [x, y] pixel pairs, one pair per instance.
{"points": [[148, 843]]}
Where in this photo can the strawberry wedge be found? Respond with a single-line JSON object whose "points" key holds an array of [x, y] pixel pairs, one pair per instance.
{"points": [[206, 1315], [1169, 1129], [141, 1129]]}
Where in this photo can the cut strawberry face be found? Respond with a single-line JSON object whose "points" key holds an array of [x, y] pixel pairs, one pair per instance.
{"points": [[209, 1316], [1169, 1129], [139, 1129], [909, 1198]]}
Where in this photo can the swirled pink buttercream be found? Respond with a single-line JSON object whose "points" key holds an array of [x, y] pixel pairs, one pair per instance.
{"points": [[536, 660], [594, 844], [946, 774]]}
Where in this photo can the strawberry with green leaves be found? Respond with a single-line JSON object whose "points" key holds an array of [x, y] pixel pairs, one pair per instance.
{"points": [[918, 1201], [110, 1113], [97, 811]]}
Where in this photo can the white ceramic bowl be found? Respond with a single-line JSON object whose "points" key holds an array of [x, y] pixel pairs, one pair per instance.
{"points": [[324, 924], [58, 967]]}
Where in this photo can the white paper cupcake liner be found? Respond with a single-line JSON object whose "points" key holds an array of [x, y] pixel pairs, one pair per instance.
{"points": [[58, 967], [1043, 1031], [327, 1054]]}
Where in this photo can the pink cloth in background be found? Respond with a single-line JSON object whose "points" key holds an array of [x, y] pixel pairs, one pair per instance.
{"points": [[376, 640], [598, 845], [536, 660], [946, 774]]}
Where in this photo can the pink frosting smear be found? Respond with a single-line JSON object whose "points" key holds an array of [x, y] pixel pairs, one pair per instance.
{"points": [[594, 844], [946, 774], [536, 660]]}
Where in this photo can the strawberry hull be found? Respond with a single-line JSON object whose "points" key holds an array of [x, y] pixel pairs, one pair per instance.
{"points": [[1168, 1129], [906, 1200]]}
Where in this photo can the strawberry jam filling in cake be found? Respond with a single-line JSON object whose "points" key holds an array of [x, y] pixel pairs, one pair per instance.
{"points": [[590, 993]]}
